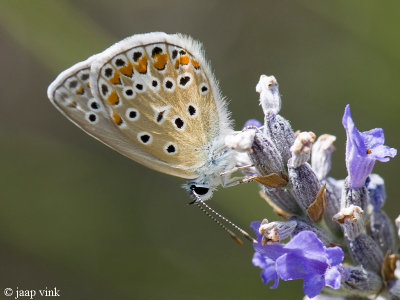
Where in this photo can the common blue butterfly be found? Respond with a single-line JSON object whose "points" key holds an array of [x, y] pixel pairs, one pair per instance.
{"points": [[153, 98]]}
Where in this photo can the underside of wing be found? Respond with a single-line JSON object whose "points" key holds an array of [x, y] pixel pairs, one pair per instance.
{"points": [[70, 93], [160, 93], [151, 97]]}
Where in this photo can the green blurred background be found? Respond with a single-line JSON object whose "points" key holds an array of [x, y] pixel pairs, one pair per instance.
{"points": [[79, 216]]}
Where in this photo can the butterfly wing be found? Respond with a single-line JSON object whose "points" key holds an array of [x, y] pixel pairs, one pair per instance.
{"points": [[152, 97]]}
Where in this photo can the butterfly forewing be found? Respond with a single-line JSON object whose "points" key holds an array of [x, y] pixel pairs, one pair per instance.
{"points": [[158, 96], [71, 94]]}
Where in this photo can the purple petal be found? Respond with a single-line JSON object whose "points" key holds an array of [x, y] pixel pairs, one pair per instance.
{"points": [[271, 251], [376, 191], [313, 285], [333, 278], [259, 260], [354, 138], [251, 123], [309, 244], [358, 169], [267, 265], [289, 267], [293, 266], [335, 255], [362, 150], [373, 137], [382, 153], [269, 274], [255, 225]]}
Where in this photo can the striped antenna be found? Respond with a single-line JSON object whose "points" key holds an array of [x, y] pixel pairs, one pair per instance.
{"points": [[207, 210]]}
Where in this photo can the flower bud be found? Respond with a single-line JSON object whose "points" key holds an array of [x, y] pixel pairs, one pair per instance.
{"points": [[376, 190], [366, 252], [282, 198], [354, 196], [360, 282], [241, 141], [335, 185], [321, 155], [394, 289], [351, 221], [252, 123], [265, 156], [305, 184], [301, 148], [397, 222], [304, 224], [275, 232], [382, 230], [333, 193], [278, 129], [270, 98]]}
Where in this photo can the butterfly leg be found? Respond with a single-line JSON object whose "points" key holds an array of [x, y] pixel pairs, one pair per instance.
{"points": [[234, 181], [235, 169]]}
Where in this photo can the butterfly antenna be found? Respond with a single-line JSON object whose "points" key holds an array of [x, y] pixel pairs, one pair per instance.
{"points": [[232, 234], [207, 209]]}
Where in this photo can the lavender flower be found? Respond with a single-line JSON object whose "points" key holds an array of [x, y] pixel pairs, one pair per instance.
{"points": [[376, 191], [362, 229], [303, 257], [362, 150], [252, 123]]}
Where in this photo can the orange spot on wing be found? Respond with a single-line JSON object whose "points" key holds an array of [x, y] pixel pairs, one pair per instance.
{"points": [[127, 70], [160, 61], [113, 98], [141, 67], [116, 118], [195, 64], [80, 91], [115, 79], [72, 104], [182, 60]]}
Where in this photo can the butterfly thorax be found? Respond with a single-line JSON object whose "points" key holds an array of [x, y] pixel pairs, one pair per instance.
{"points": [[219, 159]]}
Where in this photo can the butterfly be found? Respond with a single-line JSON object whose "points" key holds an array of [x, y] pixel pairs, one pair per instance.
{"points": [[153, 98]]}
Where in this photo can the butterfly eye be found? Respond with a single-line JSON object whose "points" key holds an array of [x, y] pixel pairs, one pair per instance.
{"points": [[199, 190]]}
